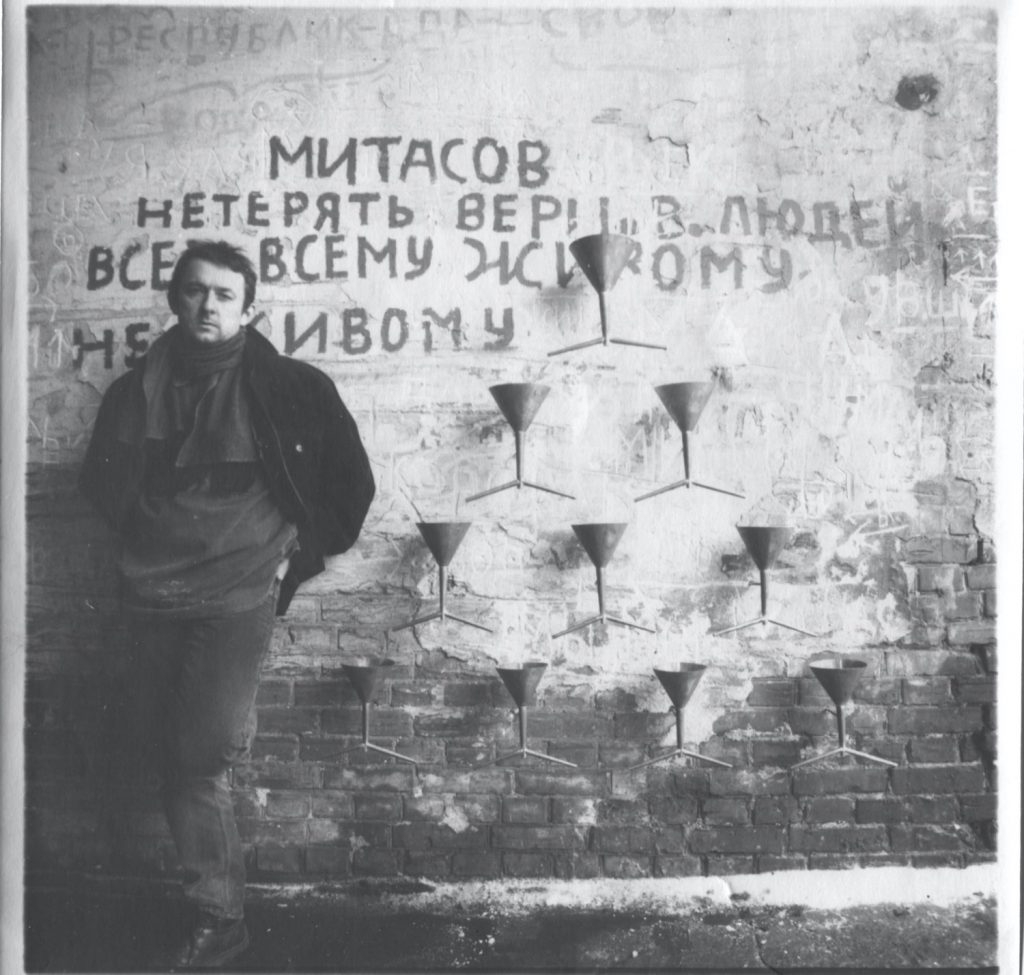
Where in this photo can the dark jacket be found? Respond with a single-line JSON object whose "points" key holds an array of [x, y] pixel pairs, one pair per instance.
{"points": [[313, 460]]}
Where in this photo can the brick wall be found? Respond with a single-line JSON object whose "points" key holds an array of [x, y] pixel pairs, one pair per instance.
{"points": [[306, 812]]}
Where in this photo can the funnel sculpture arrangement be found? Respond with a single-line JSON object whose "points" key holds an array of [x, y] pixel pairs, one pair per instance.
{"points": [[519, 402], [443, 539], [522, 685], [364, 674], [685, 402], [600, 540], [680, 685], [839, 678], [602, 258], [764, 543]]}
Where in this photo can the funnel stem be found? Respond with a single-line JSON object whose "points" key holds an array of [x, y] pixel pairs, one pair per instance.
{"points": [[600, 591], [686, 455], [679, 728], [522, 726], [366, 722], [842, 725], [604, 317], [442, 585], [763, 574], [520, 450]]}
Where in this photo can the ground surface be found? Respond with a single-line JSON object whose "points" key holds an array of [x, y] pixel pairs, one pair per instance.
{"points": [[88, 927]]}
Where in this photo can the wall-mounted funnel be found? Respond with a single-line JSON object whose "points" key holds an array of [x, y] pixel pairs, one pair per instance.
{"points": [[365, 674], [599, 541], [679, 685], [519, 402], [521, 683], [685, 402], [839, 677], [764, 543], [602, 258], [443, 538]]}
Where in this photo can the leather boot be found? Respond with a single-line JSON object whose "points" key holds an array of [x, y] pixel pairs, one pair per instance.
{"points": [[212, 943]]}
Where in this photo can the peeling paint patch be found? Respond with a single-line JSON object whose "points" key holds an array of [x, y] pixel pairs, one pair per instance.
{"points": [[455, 819], [668, 121], [916, 91]]}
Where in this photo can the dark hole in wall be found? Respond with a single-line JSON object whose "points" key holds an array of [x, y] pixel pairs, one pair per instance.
{"points": [[914, 91]]}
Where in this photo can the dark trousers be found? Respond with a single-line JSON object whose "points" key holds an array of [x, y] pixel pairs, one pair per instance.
{"points": [[198, 680]]}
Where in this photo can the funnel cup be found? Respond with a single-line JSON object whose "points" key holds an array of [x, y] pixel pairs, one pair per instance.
{"points": [[680, 684], [519, 402], [765, 542], [443, 538], [364, 673], [522, 682], [685, 402], [600, 539], [839, 678]]}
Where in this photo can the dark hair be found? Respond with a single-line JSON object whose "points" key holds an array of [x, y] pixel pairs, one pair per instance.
{"points": [[218, 252]]}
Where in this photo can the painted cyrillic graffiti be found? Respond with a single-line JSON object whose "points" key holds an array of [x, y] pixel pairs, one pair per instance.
{"points": [[356, 331], [485, 159], [502, 227]]}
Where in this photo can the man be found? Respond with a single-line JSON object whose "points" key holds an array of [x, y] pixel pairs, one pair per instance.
{"points": [[228, 472]]}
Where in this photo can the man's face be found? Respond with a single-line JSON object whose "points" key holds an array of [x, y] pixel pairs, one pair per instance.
{"points": [[210, 302]]}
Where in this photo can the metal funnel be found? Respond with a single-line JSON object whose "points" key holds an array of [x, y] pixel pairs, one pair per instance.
{"points": [[600, 539], [443, 538], [602, 257], [522, 685], [680, 684], [839, 677], [685, 402], [522, 681], [764, 542], [365, 674], [519, 402]]}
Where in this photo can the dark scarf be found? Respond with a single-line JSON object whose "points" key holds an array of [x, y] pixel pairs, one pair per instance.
{"points": [[197, 422]]}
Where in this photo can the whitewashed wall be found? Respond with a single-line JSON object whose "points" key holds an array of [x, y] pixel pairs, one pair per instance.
{"points": [[850, 334]]}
